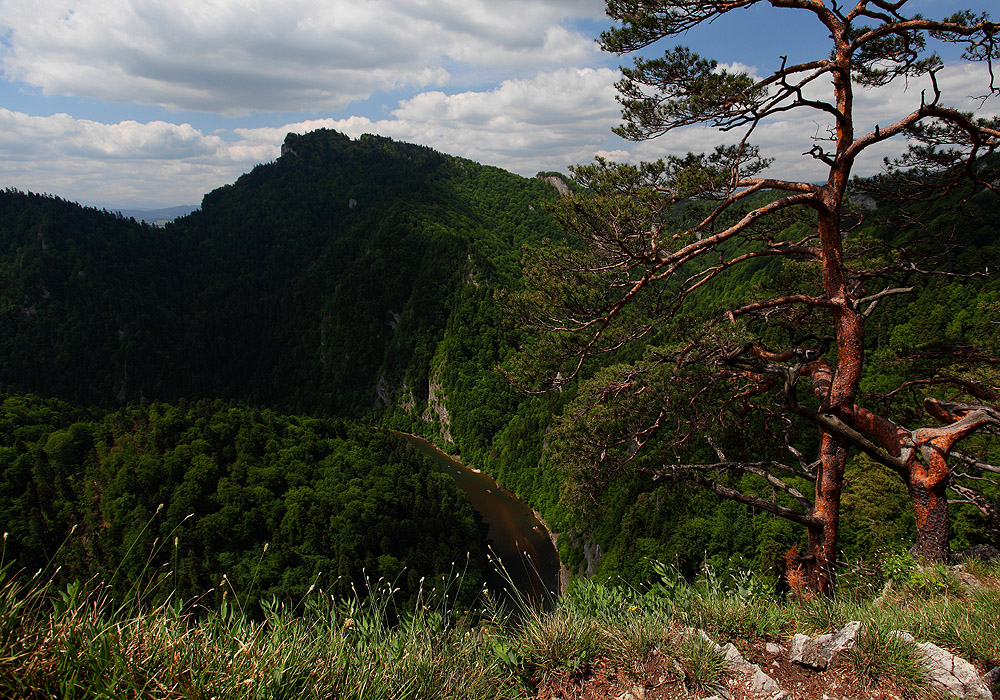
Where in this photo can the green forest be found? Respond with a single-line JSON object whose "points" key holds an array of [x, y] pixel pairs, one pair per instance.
{"points": [[182, 500], [214, 397]]}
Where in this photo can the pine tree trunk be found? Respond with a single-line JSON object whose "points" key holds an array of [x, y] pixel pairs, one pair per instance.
{"points": [[823, 538], [930, 508]]}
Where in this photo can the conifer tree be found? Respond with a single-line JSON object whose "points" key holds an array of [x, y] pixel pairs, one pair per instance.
{"points": [[661, 242]]}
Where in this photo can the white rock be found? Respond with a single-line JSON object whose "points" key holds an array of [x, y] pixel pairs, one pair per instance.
{"points": [[759, 682], [823, 651], [949, 673]]}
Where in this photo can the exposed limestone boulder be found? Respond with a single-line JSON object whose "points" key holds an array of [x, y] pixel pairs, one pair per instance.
{"points": [[865, 202], [407, 401], [382, 392], [948, 673], [822, 652], [753, 678], [969, 581], [560, 184], [758, 682]]}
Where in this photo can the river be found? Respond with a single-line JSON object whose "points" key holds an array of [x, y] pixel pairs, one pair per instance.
{"points": [[513, 532]]}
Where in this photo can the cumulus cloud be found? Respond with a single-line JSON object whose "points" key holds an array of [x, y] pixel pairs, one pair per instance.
{"points": [[738, 67], [233, 56], [547, 122], [148, 163]]}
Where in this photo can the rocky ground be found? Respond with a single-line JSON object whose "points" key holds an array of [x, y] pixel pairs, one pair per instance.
{"points": [[801, 669]]}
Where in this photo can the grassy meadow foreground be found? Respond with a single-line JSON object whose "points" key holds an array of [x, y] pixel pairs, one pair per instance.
{"points": [[600, 640]]}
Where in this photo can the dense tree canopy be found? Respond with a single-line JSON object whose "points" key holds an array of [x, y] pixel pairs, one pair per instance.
{"points": [[183, 497]]}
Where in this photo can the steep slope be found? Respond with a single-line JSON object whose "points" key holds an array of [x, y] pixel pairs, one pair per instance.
{"points": [[85, 294], [322, 282]]}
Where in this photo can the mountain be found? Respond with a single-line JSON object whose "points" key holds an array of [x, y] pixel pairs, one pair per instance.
{"points": [[158, 217], [349, 279], [324, 282]]}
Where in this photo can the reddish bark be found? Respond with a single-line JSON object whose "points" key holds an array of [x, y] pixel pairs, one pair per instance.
{"points": [[823, 537], [927, 485], [919, 457], [928, 479]]}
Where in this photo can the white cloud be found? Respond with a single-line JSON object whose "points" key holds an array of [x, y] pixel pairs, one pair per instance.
{"points": [[149, 163], [738, 67], [547, 122], [616, 156], [232, 56]]}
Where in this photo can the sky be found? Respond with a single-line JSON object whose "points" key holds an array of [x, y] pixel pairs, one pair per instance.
{"points": [[153, 103]]}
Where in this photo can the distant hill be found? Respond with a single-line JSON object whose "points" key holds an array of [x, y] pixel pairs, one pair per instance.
{"points": [[158, 217]]}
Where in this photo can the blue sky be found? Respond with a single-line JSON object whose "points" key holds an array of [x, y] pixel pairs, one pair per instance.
{"points": [[155, 102]]}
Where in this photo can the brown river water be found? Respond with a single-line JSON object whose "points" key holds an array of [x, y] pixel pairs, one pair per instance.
{"points": [[514, 534]]}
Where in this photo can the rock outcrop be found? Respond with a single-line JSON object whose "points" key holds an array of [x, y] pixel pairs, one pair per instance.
{"points": [[983, 552], [822, 652], [949, 674], [561, 187], [436, 410], [750, 675]]}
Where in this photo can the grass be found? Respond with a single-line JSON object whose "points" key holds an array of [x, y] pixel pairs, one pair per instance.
{"points": [[702, 662], [332, 649], [880, 655], [77, 642]]}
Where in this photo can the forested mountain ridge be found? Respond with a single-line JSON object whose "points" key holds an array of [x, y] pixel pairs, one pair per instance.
{"points": [[323, 281], [83, 290], [358, 279]]}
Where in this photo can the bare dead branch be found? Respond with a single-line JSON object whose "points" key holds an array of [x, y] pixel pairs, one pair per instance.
{"points": [[732, 494]]}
